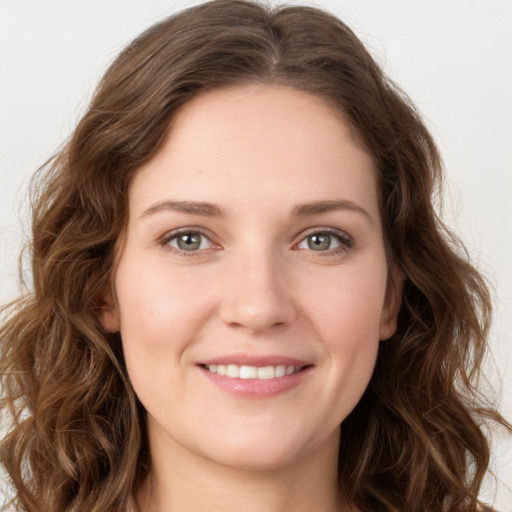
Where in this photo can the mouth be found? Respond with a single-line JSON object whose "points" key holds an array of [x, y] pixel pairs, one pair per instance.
{"points": [[256, 376], [246, 372]]}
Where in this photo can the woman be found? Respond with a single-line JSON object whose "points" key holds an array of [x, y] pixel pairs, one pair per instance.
{"points": [[242, 294]]}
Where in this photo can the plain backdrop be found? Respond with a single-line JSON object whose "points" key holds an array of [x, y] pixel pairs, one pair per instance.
{"points": [[453, 58]]}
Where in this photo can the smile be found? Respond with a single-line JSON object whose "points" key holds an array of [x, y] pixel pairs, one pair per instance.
{"points": [[253, 372], [256, 377]]}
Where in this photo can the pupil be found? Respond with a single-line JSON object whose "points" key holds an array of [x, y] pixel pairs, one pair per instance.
{"points": [[319, 242], [189, 242]]}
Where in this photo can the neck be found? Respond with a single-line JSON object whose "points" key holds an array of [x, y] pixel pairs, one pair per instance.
{"points": [[187, 482]]}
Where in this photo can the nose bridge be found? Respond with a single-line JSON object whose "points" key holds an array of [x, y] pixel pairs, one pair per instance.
{"points": [[256, 295]]}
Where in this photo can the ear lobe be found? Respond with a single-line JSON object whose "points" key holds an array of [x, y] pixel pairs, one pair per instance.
{"points": [[392, 303], [109, 316]]}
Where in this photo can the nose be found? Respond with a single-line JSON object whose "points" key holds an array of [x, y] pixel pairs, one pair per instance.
{"points": [[255, 294]]}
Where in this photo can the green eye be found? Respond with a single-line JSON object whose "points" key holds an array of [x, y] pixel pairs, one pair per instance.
{"points": [[189, 241], [321, 242]]}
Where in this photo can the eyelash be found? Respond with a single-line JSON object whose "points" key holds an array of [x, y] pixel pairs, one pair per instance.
{"points": [[173, 235], [345, 241]]}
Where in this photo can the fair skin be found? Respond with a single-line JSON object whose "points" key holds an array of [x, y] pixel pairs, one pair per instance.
{"points": [[254, 241]]}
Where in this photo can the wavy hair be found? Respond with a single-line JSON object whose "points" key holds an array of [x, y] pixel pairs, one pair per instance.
{"points": [[76, 441]]}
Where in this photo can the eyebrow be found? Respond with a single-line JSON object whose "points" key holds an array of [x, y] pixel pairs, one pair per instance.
{"points": [[319, 207], [205, 209], [190, 207]]}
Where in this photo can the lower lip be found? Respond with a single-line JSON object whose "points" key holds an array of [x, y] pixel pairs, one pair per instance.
{"points": [[257, 388]]}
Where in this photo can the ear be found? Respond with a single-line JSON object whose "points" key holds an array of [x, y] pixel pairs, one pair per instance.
{"points": [[392, 303], [109, 316]]}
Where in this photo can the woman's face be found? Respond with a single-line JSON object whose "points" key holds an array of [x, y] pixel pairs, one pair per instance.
{"points": [[252, 284]]}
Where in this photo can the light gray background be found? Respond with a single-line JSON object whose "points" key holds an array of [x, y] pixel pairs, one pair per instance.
{"points": [[452, 57]]}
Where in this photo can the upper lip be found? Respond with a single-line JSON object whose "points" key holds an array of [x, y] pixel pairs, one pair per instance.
{"points": [[255, 360]]}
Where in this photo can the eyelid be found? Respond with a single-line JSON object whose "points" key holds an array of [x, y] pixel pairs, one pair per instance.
{"points": [[343, 237], [165, 239]]}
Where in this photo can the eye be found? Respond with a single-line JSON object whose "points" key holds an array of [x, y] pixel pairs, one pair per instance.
{"points": [[319, 242], [188, 241], [325, 241]]}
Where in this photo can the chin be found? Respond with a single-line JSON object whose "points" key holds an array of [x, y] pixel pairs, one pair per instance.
{"points": [[256, 458], [268, 451]]}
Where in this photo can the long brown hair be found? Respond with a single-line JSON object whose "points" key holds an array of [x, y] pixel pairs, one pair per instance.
{"points": [[77, 440]]}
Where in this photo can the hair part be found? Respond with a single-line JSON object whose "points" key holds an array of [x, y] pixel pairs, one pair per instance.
{"points": [[77, 439]]}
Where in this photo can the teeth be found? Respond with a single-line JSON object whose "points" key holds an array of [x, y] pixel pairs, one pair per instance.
{"points": [[266, 372], [232, 370], [252, 372], [281, 370], [248, 372]]}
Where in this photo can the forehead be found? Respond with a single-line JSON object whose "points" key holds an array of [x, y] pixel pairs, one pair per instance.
{"points": [[258, 142]]}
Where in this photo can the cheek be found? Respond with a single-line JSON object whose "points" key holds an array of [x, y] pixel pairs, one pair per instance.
{"points": [[160, 312], [346, 317], [349, 306]]}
